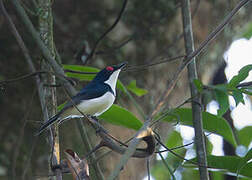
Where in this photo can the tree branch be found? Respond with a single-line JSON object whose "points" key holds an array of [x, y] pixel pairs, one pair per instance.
{"points": [[196, 99], [45, 26]]}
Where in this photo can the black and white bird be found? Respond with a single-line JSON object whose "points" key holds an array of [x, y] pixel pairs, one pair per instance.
{"points": [[94, 99]]}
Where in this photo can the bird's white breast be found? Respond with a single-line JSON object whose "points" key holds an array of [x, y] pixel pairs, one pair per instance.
{"points": [[112, 80], [94, 107]]}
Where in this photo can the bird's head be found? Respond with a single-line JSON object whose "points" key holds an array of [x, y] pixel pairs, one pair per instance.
{"points": [[109, 75]]}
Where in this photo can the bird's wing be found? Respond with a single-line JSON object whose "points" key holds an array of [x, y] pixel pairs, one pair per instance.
{"points": [[87, 93]]}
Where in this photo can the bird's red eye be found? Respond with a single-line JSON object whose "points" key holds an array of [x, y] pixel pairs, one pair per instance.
{"points": [[109, 68]]}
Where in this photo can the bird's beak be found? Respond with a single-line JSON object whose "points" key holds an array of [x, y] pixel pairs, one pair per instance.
{"points": [[120, 66]]}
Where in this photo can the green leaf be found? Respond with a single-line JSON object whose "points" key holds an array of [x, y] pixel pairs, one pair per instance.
{"points": [[174, 161], [190, 174], [247, 91], [244, 161], [198, 85], [61, 106], [160, 172], [222, 99], [248, 31], [238, 96], [228, 163], [81, 77], [211, 123], [217, 175], [136, 90], [243, 74], [119, 116], [209, 146], [244, 136], [174, 139]]}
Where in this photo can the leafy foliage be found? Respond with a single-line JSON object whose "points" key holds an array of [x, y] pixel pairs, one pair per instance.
{"points": [[222, 91], [119, 116], [211, 123], [136, 90], [198, 85], [229, 164], [222, 99], [242, 75], [174, 139], [248, 32], [244, 136]]}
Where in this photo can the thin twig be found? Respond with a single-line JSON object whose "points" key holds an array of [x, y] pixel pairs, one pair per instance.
{"points": [[148, 167], [177, 155], [28, 160], [107, 31], [178, 147], [23, 77], [167, 166], [165, 60], [113, 49], [20, 138]]}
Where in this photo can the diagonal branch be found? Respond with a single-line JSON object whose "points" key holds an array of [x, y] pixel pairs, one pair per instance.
{"points": [[195, 53], [108, 30]]}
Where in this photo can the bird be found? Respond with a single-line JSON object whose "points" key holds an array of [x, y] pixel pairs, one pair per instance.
{"points": [[94, 99]]}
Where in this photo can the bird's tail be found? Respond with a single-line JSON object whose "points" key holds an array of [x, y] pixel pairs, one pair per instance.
{"points": [[48, 123]]}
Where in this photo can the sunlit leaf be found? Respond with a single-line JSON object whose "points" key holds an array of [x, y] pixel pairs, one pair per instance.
{"points": [[247, 90], [243, 74], [209, 146], [217, 175], [248, 32], [238, 97], [160, 172], [211, 123], [119, 116], [245, 161], [190, 174], [244, 136], [174, 139], [175, 161], [81, 77], [198, 85], [229, 164], [136, 90], [222, 99], [61, 106]]}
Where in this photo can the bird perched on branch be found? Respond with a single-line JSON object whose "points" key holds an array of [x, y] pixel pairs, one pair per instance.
{"points": [[94, 99]]}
